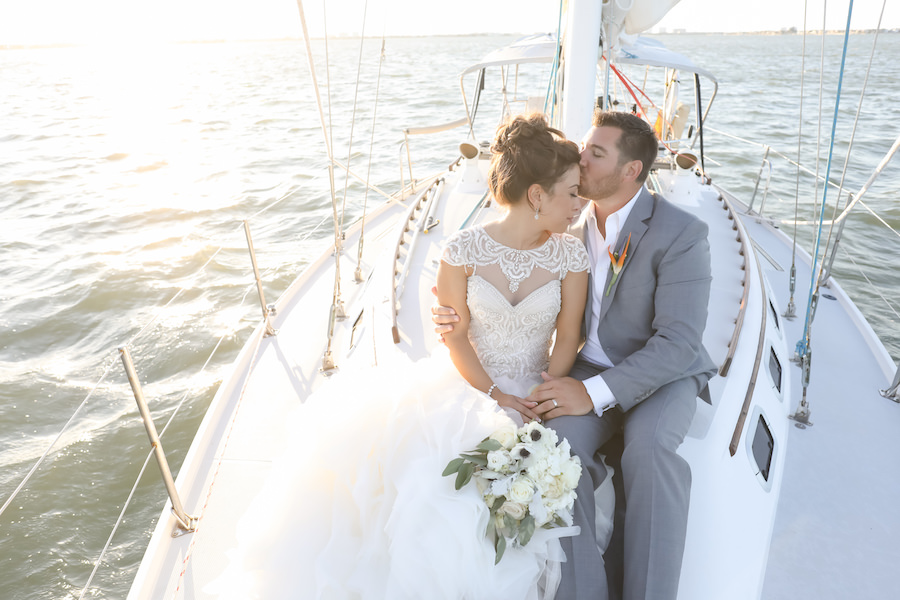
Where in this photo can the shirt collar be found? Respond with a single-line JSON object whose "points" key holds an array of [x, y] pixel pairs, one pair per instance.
{"points": [[614, 221]]}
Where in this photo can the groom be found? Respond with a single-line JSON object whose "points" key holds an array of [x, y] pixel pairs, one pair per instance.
{"points": [[641, 368]]}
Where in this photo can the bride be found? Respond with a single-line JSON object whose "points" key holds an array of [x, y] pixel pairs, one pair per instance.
{"points": [[357, 507]]}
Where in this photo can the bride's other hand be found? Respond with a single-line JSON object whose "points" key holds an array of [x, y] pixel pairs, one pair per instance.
{"points": [[524, 407], [559, 396], [443, 317]]}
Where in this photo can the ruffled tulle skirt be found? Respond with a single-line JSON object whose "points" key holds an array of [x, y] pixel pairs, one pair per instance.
{"points": [[357, 506]]}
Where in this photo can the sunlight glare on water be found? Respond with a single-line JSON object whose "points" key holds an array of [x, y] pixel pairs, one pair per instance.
{"points": [[127, 171]]}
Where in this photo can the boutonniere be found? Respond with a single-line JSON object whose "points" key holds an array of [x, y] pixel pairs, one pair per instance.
{"points": [[618, 261]]}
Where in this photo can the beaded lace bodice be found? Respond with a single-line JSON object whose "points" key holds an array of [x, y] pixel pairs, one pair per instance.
{"points": [[514, 297]]}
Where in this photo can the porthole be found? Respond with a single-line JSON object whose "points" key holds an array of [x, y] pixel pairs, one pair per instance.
{"points": [[775, 369], [774, 315], [763, 447]]}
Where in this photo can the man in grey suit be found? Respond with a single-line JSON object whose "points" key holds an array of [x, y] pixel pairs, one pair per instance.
{"points": [[641, 368], [638, 375]]}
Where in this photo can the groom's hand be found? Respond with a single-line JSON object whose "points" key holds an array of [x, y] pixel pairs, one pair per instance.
{"points": [[559, 396], [443, 317]]}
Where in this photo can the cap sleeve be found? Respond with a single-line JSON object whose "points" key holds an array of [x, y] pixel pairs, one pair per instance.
{"points": [[456, 250], [577, 258]]}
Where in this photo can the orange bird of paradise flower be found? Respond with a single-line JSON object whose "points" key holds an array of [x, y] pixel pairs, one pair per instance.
{"points": [[618, 261]]}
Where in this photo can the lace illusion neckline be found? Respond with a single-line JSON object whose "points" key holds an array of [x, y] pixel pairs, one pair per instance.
{"points": [[516, 264]]}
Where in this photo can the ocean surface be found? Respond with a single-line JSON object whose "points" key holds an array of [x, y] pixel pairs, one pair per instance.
{"points": [[125, 175]]}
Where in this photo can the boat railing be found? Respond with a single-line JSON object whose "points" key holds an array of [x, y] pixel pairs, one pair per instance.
{"points": [[409, 131], [746, 252], [123, 354], [416, 223]]}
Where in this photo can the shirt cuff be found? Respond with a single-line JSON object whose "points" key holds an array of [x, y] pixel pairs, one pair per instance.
{"points": [[601, 396]]}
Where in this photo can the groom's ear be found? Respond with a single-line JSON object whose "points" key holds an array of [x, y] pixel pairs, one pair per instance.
{"points": [[632, 170]]}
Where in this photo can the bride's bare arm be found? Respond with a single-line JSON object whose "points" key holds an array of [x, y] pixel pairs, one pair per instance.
{"points": [[568, 323], [451, 292]]}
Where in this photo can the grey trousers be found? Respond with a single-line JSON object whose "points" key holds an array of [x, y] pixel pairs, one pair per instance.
{"points": [[643, 560]]}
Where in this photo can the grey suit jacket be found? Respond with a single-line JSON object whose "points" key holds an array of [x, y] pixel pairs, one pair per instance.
{"points": [[651, 322]]}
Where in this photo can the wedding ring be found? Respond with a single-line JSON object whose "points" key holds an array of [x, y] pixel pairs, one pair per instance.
{"points": [[555, 403]]}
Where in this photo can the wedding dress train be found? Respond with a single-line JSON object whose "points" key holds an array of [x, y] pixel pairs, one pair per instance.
{"points": [[357, 506]]}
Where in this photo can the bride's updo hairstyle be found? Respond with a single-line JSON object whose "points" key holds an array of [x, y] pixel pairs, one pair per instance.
{"points": [[528, 151]]}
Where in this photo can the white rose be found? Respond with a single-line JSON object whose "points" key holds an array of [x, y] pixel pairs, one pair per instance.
{"points": [[554, 488], [497, 460], [515, 510], [571, 472], [521, 490], [506, 435]]}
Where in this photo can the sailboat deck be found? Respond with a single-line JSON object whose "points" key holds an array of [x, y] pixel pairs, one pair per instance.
{"points": [[837, 522]]}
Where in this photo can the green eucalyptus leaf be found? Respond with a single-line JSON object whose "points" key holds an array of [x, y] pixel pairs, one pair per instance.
{"points": [[500, 548], [464, 475], [478, 459], [510, 524], [526, 529], [489, 445], [453, 466]]}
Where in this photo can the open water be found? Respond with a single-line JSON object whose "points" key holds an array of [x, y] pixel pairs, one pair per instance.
{"points": [[125, 175]]}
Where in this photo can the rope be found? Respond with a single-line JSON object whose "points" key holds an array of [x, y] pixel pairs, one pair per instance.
{"points": [[56, 439], [791, 308], [874, 287], [862, 95], [189, 553], [550, 99], [803, 344], [362, 41], [137, 480], [106, 371], [362, 226]]}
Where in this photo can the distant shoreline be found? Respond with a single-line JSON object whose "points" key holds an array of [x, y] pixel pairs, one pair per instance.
{"points": [[450, 35]]}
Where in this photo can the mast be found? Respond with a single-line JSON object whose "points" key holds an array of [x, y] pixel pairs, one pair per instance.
{"points": [[580, 51]]}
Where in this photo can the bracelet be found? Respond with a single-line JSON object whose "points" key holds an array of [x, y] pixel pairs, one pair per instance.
{"points": [[491, 389]]}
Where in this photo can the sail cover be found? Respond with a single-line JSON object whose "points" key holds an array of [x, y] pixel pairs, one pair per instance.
{"points": [[644, 14]]}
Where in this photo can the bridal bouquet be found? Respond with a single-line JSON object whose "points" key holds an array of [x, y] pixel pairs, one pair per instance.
{"points": [[527, 479]]}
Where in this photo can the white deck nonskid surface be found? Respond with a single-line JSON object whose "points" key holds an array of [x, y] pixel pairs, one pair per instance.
{"points": [[838, 522]]}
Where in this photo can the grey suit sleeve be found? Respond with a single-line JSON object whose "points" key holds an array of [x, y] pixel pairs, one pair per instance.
{"points": [[681, 299]]}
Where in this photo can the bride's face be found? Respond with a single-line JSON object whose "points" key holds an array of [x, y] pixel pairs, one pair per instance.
{"points": [[561, 205]]}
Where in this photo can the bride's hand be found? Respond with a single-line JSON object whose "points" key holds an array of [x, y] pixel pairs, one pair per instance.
{"points": [[522, 406]]}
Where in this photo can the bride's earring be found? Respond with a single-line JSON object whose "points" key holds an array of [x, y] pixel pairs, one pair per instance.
{"points": [[537, 213]]}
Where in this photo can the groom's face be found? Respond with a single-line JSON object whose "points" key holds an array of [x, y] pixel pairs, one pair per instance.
{"points": [[601, 171]]}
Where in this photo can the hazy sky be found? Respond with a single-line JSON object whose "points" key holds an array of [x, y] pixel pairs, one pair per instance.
{"points": [[130, 21]]}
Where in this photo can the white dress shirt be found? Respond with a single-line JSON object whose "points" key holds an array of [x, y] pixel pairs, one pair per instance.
{"points": [[598, 250]]}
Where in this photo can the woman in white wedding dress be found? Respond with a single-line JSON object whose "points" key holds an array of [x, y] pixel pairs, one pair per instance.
{"points": [[357, 507]]}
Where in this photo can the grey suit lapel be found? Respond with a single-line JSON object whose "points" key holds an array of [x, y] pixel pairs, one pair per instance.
{"points": [[636, 225]]}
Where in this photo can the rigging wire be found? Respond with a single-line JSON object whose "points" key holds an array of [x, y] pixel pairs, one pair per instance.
{"points": [[850, 144], [550, 99], [791, 310], [362, 42], [803, 344], [362, 225], [337, 309], [150, 454]]}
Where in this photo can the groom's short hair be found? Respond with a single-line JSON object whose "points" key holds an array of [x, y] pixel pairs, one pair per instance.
{"points": [[637, 142]]}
